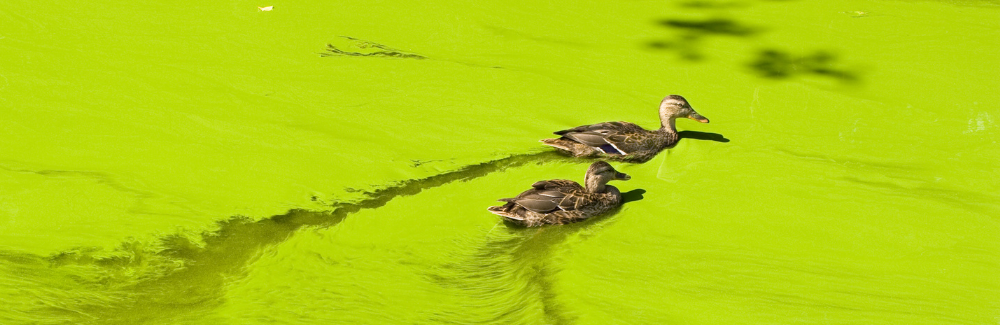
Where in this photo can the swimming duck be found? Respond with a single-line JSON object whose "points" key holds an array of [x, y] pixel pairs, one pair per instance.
{"points": [[626, 141], [561, 201]]}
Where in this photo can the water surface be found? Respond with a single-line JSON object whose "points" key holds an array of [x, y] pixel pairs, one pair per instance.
{"points": [[331, 162]]}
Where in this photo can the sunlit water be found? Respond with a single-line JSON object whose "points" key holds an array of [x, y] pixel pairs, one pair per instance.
{"points": [[332, 162]]}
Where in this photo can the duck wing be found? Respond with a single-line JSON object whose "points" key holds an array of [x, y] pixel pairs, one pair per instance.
{"points": [[609, 137], [545, 201], [564, 184], [549, 196]]}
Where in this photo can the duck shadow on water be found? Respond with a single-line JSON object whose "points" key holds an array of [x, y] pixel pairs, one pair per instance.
{"points": [[633, 195], [698, 135]]}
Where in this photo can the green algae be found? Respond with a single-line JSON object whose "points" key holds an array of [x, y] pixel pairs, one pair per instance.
{"points": [[846, 176]]}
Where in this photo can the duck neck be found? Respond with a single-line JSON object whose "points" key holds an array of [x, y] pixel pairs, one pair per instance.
{"points": [[668, 126], [596, 184]]}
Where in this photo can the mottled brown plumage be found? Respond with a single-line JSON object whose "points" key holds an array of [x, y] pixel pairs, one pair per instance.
{"points": [[626, 141], [561, 201]]}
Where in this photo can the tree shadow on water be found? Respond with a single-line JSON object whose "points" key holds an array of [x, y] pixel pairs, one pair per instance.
{"points": [[703, 4], [690, 32], [776, 64], [687, 41], [712, 26]]}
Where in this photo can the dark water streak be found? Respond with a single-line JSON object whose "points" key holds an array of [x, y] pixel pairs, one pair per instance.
{"points": [[181, 275], [140, 282]]}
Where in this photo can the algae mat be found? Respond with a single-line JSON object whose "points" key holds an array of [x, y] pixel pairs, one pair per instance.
{"points": [[331, 162]]}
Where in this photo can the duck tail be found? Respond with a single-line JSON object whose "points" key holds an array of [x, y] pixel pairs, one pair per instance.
{"points": [[500, 211], [506, 211], [559, 144]]}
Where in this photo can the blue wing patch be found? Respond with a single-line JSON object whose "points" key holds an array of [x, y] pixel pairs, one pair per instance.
{"points": [[609, 149]]}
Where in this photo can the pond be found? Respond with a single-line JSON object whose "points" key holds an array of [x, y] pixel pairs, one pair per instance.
{"points": [[332, 162]]}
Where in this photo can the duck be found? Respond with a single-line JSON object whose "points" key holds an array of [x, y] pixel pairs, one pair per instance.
{"points": [[562, 201], [626, 141]]}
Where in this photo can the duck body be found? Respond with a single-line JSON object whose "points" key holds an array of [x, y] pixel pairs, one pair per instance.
{"points": [[561, 201], [626, 141], [620, 140]]}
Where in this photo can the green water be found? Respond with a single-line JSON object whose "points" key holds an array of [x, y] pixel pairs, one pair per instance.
{"points": [[331, 162]]}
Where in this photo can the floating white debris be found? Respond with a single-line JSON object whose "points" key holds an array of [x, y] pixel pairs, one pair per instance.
{"points": [[856, 13], [981, 122], [268, 8]]}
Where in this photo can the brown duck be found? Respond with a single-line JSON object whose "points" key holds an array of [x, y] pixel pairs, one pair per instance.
{"points": [[626, 141], [561, 201]]}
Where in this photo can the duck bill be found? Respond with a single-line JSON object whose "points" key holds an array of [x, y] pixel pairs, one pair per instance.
{"points": [[622, 177], [697, 117]]}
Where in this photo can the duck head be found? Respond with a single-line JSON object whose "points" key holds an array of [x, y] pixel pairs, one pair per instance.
{"points": [[600, 173], [675, 106]]}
